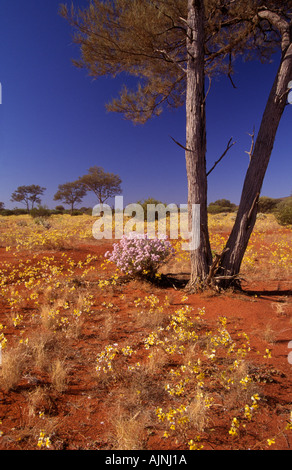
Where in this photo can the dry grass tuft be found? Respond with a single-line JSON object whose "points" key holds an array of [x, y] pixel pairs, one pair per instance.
{"points": [[129, 431], [269, 334], [59, 375], [40, 402], [198, 412], [13, 363]]}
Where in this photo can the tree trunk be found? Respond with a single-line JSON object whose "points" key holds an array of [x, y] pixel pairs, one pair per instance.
{"points": [[231, 261], [201, 258]]}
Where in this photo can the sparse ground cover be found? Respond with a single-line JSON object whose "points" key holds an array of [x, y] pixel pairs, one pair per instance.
{"points": [[93, 360]]}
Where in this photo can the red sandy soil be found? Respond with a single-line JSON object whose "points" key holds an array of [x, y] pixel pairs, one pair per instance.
{"points": [[81, 417]]}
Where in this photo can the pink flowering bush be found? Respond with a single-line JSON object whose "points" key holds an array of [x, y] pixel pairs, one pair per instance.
{"points": [[138, 255]]}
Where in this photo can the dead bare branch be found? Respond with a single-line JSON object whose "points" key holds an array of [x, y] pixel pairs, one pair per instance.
{"points": [[228, 278], [209, 88], [229, 146], [252, 144], [180, 145], [230, 71]]}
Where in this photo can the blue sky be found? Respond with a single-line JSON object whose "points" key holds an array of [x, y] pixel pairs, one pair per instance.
{"points": [[54, 126]]}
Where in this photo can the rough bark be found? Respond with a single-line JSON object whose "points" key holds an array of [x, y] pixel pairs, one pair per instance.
{"points": [[201, 258], [246, 217]]}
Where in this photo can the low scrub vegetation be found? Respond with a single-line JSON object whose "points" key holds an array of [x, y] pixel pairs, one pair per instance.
{"points": [[93, 357]]}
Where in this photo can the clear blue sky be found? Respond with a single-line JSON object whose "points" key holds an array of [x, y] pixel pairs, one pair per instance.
{"points": [[54, 126]]}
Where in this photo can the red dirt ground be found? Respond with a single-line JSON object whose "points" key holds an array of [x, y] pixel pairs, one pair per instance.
{"points": [[81, 417]]}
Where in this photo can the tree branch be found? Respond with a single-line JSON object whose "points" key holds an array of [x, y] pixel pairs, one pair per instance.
{"points": [[180, 145], [209, 88], [283, 26], [168, 58], [230, 70], [229, 146], [252, 145]]}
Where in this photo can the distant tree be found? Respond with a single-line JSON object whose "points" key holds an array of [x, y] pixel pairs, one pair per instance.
{"points": [[60, 208], [146, 202], [149, 200], [224, 203], [103, 185], [1, 206], [70, 193], [221, 205], [28, 195]]}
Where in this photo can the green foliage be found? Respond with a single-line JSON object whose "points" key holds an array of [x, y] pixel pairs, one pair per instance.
{"points": [[147, 40], [7, 212], [144, 204], [60, 209], [40, 211], [221, 205], [267, 204], [17, 211], [70, 193], [103, 185], [284, 212], [76, 212], [86, 210], [28, 195]]}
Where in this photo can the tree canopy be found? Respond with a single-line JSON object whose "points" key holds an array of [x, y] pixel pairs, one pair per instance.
{"points": [[147, 40], [70, 193], [104, 185], [29, 195]]}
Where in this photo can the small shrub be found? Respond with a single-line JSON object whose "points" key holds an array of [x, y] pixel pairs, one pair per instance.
{"points": [[128, 431], [138, 255], [76, 212], [147, 202], [43, 222], [7, 212], [267, 204], [40, 212], [12, 368], [284, 216], [221, 205], [59, 375]]}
